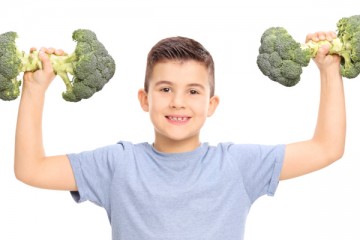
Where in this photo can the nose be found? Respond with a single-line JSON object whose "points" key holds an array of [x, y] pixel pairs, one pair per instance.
{"points": [[177, 101]]}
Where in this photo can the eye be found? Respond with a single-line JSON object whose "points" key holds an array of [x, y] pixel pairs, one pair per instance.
{"points": [[193, 92], [165, 89]]}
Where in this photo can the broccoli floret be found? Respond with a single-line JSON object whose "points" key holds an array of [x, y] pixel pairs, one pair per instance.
{"points": [[281, 58], [90, 66]]}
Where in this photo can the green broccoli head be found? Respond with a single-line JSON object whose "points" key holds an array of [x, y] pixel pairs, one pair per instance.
{"points": [[10, 64], [9, 90], [281, 58], [90, 65], [349, 35]]}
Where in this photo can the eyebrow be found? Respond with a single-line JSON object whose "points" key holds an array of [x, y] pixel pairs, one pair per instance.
{"points": [[171, 84]]}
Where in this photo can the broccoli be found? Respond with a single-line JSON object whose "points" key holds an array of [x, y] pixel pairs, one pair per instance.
{"points": [[281, 58], [90, 65]]}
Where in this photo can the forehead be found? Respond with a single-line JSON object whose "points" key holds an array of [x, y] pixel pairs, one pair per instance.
{"points": [[186, 72]]}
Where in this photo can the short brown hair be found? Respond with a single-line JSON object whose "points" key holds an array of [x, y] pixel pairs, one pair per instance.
{"points": [[180, 49]]}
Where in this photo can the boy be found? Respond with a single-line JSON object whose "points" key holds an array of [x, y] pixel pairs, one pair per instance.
{"points": [[177, 187]]}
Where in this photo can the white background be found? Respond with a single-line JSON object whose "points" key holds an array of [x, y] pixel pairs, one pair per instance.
{"points": [[321, 205]]}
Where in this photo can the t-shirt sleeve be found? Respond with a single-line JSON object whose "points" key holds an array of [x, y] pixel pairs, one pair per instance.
{"points": [[260, 167], [93, 172]]}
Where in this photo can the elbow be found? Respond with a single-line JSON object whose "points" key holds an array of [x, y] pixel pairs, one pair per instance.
{"points": [[21, 177], [27, 169], [18, 174], [24, 176], [335, 154], [330, 151]]}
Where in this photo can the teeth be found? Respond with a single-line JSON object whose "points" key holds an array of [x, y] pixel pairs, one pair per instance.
{"points": [[180, 119]]}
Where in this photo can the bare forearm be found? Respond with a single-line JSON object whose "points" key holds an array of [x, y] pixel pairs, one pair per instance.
{"points": [[31, 165], [28, 142], [331, 125], [328, 142]]}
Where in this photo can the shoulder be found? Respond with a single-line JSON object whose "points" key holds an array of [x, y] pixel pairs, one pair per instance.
{"points": [[248, 151], [108, 153], [132, 147], [234, 148]]}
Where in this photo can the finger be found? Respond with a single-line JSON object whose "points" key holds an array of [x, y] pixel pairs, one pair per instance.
{"points": [[321, 36], [50, 51], [314, 37], [318, 36], [308, 37], [323, 50], [47, 50], [32, 49], [46, 63], [59, 52], [330, 36], [53, 51]]}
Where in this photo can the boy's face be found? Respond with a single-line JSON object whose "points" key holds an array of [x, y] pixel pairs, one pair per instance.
{"points": [[178, 101]]}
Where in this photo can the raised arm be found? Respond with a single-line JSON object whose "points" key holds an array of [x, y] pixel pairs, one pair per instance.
{"points": [[31, 164], [328, 142]]}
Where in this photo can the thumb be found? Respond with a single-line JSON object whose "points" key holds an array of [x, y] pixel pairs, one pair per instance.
{"points": [[45, 60], [322, 52], [324, 49]]}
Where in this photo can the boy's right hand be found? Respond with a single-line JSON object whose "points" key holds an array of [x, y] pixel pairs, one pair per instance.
{"points": [[32, 166], [40, 80]]}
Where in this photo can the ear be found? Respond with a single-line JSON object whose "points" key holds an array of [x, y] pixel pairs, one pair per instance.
{"points": [[214, 102], [143, 100]]}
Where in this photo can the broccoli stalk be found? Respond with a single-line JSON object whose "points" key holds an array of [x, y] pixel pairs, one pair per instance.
{"points": [[62, 65], [90, 66], [281, 58], [336, 46]]}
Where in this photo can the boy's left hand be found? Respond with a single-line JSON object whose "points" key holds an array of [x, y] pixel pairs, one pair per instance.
{"points": [[328, 142], [323, 59]]}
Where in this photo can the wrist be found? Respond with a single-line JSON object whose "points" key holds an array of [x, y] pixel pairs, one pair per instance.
{"points": [[330, 73], [33, 92]]}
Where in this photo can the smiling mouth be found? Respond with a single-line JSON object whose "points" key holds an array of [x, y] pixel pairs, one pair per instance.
{"points": [[178, 119]]}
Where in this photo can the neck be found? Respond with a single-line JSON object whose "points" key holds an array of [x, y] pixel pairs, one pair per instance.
{"points": [[176, 146]]}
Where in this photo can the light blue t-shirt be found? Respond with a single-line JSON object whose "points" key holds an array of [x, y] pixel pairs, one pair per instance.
{"points": [[204, 194]]}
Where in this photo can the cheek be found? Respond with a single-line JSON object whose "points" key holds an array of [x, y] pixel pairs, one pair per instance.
{"points": [[202, 108], [156, 104]]}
